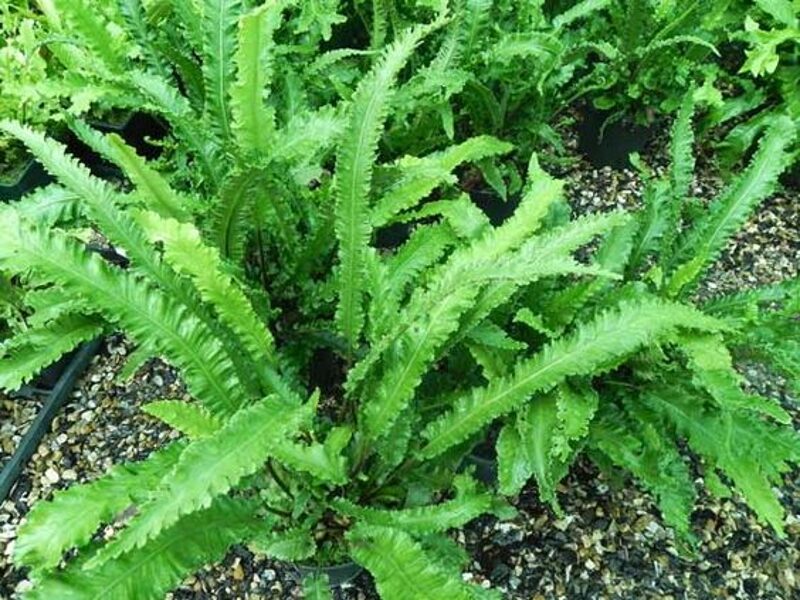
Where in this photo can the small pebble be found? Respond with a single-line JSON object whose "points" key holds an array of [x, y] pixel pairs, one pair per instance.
{"points": [[51, 475]]}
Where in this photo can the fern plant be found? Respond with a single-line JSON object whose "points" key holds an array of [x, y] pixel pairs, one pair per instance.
{"points": [[265, 458], [637, 415], [24, 72], [506, 68], [262, 461], [764, 84], [241, 276]]}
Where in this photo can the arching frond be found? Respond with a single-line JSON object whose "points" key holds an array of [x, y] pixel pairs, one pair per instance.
{"points": [[703, 243], [73, 515], [219, 44], [401, 567], [144, 312], [149, 572], [186, 252], [206, 469], [24, 355], [594, 348], [254, 121], [190, 419], [354, 165]]}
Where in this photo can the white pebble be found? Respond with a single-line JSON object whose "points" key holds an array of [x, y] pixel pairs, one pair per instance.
{"points": [[51, 475]]}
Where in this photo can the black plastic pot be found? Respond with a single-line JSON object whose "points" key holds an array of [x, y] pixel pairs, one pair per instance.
{"points": [[30, 177], [392, 236], [497, 209], [483, 458], [485, 468], [607, 142], [337, 574], [791, 178], [41, 424], [135, 129]]}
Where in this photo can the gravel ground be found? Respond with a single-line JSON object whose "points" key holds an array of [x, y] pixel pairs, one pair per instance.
{"points": [[610, 544]]}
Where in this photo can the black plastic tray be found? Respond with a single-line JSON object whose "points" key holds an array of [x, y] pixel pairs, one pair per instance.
{"points": [[33, 176]]}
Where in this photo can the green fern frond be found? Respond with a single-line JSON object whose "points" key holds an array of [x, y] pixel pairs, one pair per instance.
{"points": [[474, 261], [425, 247], [185, 251], [465, 219], [495, 337], [23, 356], [576, 406], [89, 24], [614, 255], [254, 122], [555, 247], [163, 99], [752, 452], [144, 312], [681, 150], [435, 314], [323, 461], [654, 224], [153, 188], [220, 18], [678, 40], [234, 210], [468, 504], [744, 306], [54, 157], [401, 567], [317, 587], [639, 444], [665, 198], [50, 205], [543, 440], [524, 449], [71, 518], [595, 347], [190, 17], [207, 468], [416, 349], [420, 176], [309, 134], [149, 572], [50, 303], [579, 11], [354, 165], [290, 545], [136, 16], [680, 176], [190, 419], [69, 55], [712, 367], [728, 213], [101, 203]]}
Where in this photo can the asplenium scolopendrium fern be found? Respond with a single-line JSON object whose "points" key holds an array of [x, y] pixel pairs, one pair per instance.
{"points": [[634, 417], [264, 459]]}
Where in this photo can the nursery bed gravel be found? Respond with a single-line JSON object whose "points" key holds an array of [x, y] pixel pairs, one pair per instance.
{"points": [[609, 542]]}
